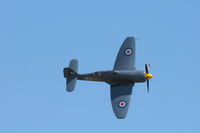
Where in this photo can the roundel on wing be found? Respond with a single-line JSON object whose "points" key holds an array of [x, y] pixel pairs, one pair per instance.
{"points": [[122, 104], [128, 51]]}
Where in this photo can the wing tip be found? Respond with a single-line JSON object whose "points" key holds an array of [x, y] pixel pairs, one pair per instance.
{"points": [[121, 117], [130, 38]]}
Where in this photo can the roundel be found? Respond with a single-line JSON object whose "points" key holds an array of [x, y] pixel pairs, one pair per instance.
{"points": [[122, 104], [128, 51]]}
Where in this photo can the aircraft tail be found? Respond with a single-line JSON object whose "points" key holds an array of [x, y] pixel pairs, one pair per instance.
{"points": [[71, 74]]}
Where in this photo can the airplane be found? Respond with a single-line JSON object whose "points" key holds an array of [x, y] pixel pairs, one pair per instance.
{"points": [[121, 79]]}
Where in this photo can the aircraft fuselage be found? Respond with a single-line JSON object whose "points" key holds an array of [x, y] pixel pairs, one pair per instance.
{"points": [[115, 77]]}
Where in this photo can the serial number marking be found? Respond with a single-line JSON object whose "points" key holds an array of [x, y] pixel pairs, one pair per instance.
{"points": [[93, 78]]}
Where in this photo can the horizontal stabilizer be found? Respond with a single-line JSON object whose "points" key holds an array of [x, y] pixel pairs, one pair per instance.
{"points": [[71, 74], [71, 84]]}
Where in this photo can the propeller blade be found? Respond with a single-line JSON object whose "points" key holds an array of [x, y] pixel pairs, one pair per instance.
{"points": [[147, 68], [148, 86], [148, 75]]}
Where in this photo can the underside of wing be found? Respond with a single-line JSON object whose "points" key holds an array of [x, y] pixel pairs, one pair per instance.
{"points": [[126, 56], [120, 98]]}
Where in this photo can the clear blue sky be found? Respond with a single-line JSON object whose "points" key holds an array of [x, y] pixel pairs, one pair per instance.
{"points": [[39, 37]]}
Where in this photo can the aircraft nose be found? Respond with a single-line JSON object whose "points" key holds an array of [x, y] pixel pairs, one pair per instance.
{"points": [[148, 76]]}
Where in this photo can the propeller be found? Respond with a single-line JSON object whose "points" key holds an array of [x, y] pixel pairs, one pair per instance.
{"points": [[148, 75]]}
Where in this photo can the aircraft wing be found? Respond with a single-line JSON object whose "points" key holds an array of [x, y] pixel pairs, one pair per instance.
{"points": [[120, 98], [126, 56]]}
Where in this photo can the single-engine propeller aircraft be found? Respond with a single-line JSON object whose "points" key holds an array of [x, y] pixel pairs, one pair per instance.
{"points": [[121, 79]]}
